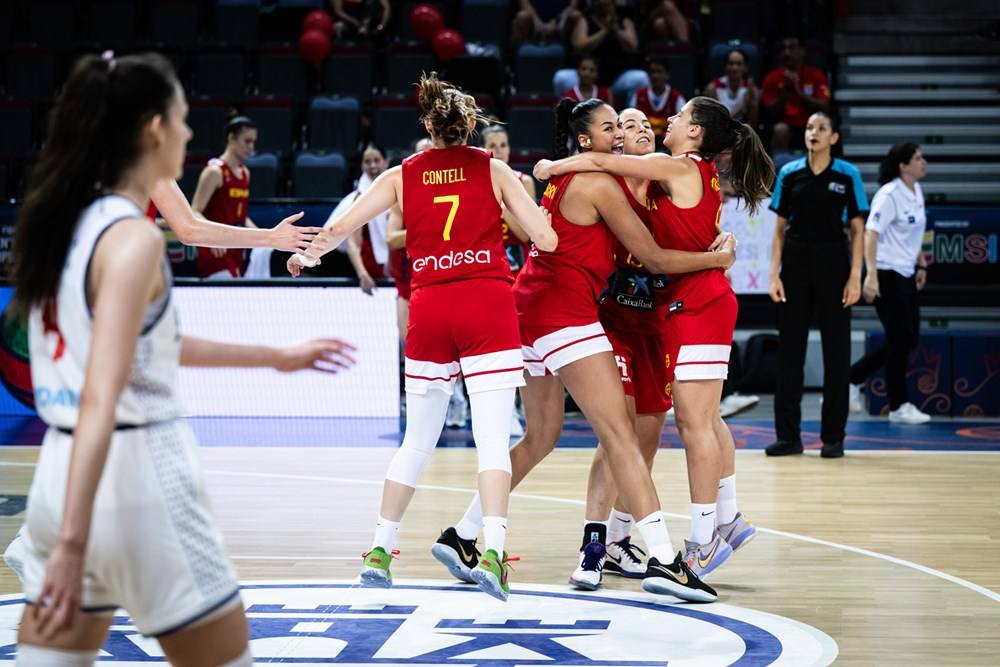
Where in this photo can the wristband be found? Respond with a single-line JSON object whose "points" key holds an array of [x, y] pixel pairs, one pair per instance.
{"points": [[307, 262]]}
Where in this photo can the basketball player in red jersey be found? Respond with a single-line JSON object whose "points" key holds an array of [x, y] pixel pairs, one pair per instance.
{"points": [[564, 344], [462, 317], [223, 194], [702, 307]]}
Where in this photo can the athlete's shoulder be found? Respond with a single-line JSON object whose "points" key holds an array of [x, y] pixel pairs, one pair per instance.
{"points": [[888, 189]]}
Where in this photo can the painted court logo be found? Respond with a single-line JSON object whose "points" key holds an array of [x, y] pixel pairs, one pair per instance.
{"points": [[427, 623]]}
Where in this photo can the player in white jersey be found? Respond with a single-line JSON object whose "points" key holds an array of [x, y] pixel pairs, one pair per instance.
{"points": [[117, 515]]}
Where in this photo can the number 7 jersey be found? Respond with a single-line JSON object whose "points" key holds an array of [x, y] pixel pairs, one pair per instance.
{"points": [[452, 218]]}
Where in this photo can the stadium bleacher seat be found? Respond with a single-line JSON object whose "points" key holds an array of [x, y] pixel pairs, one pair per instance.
{"points": [[396, 122], [349, 71], [282, 72], [220, 74], [15, 119], [536, 65], [530, 123], [207, 119], [736, 19], [113, 24], [175, 23], [718, 52], [404, 65], [334, 124], [486, 21], [265, 169], [275, 118], [237, 22], [319, 175], [51, 23], [31, 74]]}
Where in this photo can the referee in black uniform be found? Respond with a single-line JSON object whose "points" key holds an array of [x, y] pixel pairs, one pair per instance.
{"points": [[813, 270]]}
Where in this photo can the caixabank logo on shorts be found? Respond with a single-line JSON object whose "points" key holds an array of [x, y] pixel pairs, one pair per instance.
{"points": [[428, 623]]}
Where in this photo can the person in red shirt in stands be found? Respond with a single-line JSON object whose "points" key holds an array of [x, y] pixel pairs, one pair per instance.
{"points": [[792, 93], [587, 88], [659, 101]]}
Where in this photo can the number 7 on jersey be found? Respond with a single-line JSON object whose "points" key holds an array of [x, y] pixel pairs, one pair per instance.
{"points": [[454, 201]]}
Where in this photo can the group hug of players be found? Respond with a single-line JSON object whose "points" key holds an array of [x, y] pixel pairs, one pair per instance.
{"points": [[117, 514]]}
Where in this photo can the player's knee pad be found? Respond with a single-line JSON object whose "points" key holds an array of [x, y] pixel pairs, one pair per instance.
{"points": [[493, 455], [244, 660], [41, 656], [408, 464]]}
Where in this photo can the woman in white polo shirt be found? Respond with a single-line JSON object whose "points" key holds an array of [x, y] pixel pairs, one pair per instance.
{"points": [[897, 270]]}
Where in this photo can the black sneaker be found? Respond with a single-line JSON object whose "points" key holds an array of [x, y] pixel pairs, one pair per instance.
{"points": [[458, 555], [678, 580], [832, 450], [782, 448]]}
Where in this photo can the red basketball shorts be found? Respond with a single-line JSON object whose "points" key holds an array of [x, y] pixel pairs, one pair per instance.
{"points": [[698, 342], [467, 327], [645, 369]]}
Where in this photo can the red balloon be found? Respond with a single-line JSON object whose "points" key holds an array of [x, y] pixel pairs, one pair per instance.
{"points": [[426, 21], [448, 44], [314, 46], [317, 19]]}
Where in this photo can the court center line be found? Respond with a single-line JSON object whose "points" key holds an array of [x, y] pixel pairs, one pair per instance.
{"points": [[975, 588]]}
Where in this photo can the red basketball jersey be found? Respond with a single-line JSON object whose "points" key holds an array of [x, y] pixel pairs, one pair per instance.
{"points": [[692, 229], [618, 317], [228, 205], [453, 220], [561, 288], [659, 109]]}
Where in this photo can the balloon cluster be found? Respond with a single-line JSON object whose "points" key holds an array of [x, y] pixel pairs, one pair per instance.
{"points": [[428, 25], [317, 31]]}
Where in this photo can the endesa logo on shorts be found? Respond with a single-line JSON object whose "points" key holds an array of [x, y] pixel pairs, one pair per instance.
{"points": [[451, 260], [432, 623]]}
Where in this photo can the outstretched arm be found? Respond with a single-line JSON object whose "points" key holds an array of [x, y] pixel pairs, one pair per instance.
{"points": [[615, 210], [652, 167], [524, 208]]}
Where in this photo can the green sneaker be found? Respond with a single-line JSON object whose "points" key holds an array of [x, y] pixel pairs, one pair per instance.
{"points": [[375, 570], [491, 574]]}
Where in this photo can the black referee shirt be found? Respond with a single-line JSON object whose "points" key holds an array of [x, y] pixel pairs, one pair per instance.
{"points": [[818, 206]]}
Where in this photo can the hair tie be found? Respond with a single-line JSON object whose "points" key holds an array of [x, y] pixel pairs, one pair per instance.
{"points": [[109, 57]]}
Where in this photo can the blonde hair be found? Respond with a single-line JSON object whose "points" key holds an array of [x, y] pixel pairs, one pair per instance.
{"points": [[452, 114]]}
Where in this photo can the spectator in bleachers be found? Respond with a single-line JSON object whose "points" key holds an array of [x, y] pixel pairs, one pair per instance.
{"points": [[662, 20], [609, 34], [223, 194], [587, 72], [361, 18], [897, 270], [543, 20], [367, 248], [659, 100], [791, 93], [737, 90]]}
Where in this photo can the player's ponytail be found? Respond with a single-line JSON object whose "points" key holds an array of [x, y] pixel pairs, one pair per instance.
{"points": [[572, 120], [94, 138], [453, 115], [899, 154], [751, 170]]}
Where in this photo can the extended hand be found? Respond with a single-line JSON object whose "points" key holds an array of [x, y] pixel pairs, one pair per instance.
{"points": [[328, 355], [59, 601], [852, 292], [542, 170], [286, 236]]}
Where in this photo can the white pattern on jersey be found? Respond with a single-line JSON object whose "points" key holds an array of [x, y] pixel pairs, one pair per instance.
{"points": [[148, 396], [732, 101], [898, 217]]}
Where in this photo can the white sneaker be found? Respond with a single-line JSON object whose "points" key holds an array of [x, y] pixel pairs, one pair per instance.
{"points": [[516, 428], [908, 413], [854, 403], [458, 411], [735, 403]]}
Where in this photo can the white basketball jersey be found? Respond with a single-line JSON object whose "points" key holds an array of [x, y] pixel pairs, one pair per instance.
{"points": [[731, 100], [59, 337]]}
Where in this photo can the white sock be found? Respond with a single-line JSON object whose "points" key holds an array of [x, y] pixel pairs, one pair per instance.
{"points": [[726, 500], [41, 656], [468, 527], [654, 533], [619, 526], [385, 534], [702, 522], [494, 532]]}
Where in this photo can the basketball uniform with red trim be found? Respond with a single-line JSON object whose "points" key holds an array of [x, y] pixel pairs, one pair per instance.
{"points": [[702, 307], [632, 313], [228, 205], [462, 313], [399, 269], [659, 108], [602, 93], [726, 96], [557, 292]]}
